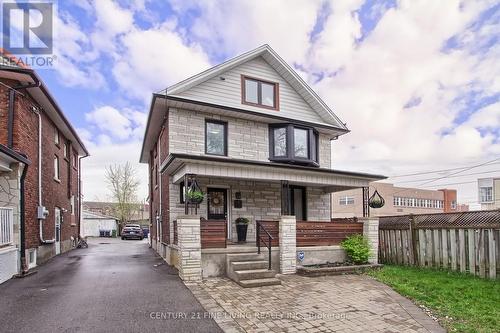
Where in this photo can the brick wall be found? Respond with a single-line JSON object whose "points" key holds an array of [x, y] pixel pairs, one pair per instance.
{"points": [[54, 194]]}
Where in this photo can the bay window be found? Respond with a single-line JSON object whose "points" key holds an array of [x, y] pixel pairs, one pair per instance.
{"points": [[293, 144]]}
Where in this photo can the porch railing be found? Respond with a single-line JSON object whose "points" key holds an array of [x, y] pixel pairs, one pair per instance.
{"points": [[312, 233], [6, 226], [265, 237], [213, 234], [273, 228]]}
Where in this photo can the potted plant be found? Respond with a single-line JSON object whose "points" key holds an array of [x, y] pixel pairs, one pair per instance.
{"points": [[194, 196], [241, 229]]}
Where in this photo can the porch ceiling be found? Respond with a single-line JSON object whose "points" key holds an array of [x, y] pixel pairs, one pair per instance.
{"points": [[178, 165]]}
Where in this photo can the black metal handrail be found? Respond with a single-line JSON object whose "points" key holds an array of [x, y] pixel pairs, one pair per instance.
{"points": [[268, 245]]}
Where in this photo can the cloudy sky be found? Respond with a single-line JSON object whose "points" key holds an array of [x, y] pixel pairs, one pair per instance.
{"points": [[417, 82]]}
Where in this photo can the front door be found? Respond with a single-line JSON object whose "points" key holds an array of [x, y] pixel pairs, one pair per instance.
{"points": [[217, 203], [57, 235]]}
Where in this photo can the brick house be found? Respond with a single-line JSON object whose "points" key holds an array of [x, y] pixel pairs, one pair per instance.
{"points": [[255, 138], [33, 126]]}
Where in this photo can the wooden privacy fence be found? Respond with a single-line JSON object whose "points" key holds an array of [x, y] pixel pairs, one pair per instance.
{"points": [[311, 233], [465, 242], [213, 234]]}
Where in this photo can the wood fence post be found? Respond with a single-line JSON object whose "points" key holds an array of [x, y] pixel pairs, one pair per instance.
{"points": [[413, 238]]}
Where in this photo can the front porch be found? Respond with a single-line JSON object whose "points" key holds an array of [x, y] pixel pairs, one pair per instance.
{"points": [[288, 205]]}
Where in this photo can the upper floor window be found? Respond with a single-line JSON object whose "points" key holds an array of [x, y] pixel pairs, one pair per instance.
{"points": [[215, 137], [453, 204], [259, 93], [65, 149], [57, 140], [293, 144], [56, 168], [485, 194]]}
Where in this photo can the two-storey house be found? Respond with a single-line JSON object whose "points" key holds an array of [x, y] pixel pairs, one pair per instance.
{"points": [[254, 136], [40, 175]]}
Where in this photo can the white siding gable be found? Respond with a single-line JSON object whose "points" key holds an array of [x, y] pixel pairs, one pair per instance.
{"points": [[228, 92]]}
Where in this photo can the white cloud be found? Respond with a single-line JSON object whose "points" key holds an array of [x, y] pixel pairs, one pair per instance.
{"points": [[154, 59], [232, 27]]}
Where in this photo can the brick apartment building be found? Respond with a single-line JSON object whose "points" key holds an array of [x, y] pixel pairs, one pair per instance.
{"points": [[398, 201], [42, 211]]}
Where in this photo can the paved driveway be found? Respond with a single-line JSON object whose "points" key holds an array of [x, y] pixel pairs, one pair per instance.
{"points": [[348, 303], [113, 286]]}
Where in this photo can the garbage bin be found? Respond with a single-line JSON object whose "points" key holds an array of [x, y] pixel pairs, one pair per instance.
{"points": [[101, 233], [113, 233]]}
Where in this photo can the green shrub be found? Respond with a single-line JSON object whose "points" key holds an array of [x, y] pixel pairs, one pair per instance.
{"points": [[357, 248]]}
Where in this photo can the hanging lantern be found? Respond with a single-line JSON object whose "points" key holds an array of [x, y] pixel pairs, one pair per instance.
{"points": [[194, 193], [376, 200]]}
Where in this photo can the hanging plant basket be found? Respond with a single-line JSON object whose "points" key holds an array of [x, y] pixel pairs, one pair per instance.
{"points": [[376, 200], [194, 194]]}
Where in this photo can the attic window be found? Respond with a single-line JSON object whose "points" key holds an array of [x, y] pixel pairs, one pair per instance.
{"points": [[259, 93]]}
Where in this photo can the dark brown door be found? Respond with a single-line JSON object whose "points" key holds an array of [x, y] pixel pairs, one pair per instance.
{"points": [[217, 204]]}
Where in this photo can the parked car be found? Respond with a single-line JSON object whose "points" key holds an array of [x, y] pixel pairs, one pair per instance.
{"points": [[132, 231]]}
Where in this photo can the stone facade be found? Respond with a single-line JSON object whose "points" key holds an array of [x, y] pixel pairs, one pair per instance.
{"points": [[370, 231], [247, 139], [189, 247], [288, 244]]}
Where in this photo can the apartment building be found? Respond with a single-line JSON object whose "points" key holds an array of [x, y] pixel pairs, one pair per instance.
{"points": [[398, 201], [39, 173], [489, 193]]}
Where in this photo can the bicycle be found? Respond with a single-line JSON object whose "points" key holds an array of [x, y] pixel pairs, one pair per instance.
{"points": [[79, 242]]}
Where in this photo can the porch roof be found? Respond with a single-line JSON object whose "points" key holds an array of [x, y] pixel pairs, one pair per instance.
{"points": [[178, 165]]}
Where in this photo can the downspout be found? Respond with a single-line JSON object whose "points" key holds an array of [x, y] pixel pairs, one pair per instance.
{"points": [[10, 117], [22, 227], [80, 194], [159, 190], [40, 221]]}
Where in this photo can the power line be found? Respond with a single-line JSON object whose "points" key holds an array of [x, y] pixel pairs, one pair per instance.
{"points": [[429, 172], [454, 173], [469, 174], [449, 184]]}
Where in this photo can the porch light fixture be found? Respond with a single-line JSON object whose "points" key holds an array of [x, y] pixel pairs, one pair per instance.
{"points": [[376, 200]]}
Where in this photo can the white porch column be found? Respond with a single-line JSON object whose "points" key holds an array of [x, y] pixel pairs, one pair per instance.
{"points": [[288, 241], [189, 239], [370, 231]]}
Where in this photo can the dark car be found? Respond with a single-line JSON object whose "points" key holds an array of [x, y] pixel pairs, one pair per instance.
{"points": [[132, 231]]}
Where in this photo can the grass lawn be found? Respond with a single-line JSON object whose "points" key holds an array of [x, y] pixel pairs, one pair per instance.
{"points": [[472, 304]]}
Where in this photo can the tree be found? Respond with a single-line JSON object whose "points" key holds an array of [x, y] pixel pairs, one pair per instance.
{"points": [[123, 184]]}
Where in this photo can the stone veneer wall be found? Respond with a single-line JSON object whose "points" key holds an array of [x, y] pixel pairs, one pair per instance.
{"points": [[247, 139], [261, 201]]}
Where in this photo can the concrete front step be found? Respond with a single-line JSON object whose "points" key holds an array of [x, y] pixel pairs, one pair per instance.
{"points": [[230, 257], [259, 282], [252, 274], [254, 264]]}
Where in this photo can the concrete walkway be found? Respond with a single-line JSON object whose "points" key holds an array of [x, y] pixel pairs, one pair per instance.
{"points": [[113, 286], [348, 303]]}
